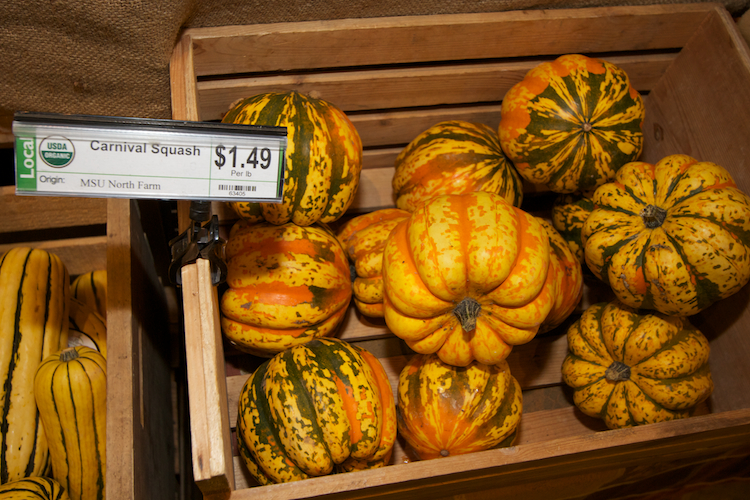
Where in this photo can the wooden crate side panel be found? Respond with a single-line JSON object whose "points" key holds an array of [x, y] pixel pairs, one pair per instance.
{"points": [[410, 39], [700, 108], [32, 213]]}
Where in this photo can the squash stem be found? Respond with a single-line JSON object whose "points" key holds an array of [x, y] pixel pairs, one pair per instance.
{"points": [[653, 216], [467, 312], [68, 354], [617, 372]]}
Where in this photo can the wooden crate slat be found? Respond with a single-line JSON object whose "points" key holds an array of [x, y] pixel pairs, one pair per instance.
{"points": [[362, 90], [80, 255], [410, 39]]}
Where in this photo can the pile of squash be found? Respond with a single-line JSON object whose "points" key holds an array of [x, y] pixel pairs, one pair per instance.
{"points": [[53, 361], [462, 274]]}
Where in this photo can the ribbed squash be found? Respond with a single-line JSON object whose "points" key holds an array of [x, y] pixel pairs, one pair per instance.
{"points": [[468, 276], [672, 237], [288, 284], [34, 294], [445, 410], [571, 123], [87, 327], [71, 392], [568, 287], [91, 288], [33, 488], [569, 212], [629, 368], [314, 409], [363, 238], [454, 157], [323, 157]]}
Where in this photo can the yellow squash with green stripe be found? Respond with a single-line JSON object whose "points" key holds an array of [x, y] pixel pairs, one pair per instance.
{"points": [[445, 411], [629, 368], [571, 123], [288, 284], [91, 288], [314, 409], [672, 237], [323, 157], [33, 488], [454, 157], [87, 327], [34, 294], [71, 392], [569, 212]]}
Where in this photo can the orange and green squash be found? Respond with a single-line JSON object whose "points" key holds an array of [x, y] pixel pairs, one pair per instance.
{"points": [[287, 284], [322, 407], [571, 123], [445, 410], [33, 488], [323, 157], [34, 295], [70, 387], [672, 237], [629, 368], [454, 157], [363, 238], [569, 212], [467, 276]]}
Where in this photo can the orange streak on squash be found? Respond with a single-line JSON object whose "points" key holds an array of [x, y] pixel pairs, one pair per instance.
{"points": [[277, 293], [640, 283], [350, 407]]}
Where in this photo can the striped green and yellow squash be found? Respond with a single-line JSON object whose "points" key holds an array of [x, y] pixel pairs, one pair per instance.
{"points": [[288, 284], [34, 294], [569, 212], [71, 392], [91, 288], [363, 238], [630, 368], [454, 157], [446, 411], [33, 488], [321, 407], [571, 123], [672, 237], [323, 157], [87, 327]]}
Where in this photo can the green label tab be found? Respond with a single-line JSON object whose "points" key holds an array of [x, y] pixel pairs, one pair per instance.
{"points": [[26, 163]]}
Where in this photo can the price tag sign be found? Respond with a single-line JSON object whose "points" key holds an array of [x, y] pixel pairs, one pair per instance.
{"points": [[99, 156]]}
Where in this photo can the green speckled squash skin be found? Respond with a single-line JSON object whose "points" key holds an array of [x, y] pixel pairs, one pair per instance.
{"points": [[323, 158], [571, 123], [630, 368], [569, 212]]}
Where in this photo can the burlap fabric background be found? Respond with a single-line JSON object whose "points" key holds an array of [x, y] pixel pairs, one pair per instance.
{"points": [[112, 57]]}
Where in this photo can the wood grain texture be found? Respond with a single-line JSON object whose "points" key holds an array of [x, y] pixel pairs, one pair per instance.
{"points": [[80, 255], [30, 213]]}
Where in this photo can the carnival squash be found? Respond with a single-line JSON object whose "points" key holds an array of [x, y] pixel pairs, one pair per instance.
{"points": [[467, 276], [323, 157], [33, 488], [91, 288], [445, 410], [34, 294], [569, 212], [571, 123], [454, 157], [363, 238], [288, 284], [71, 392], [631, 368], [672, 237], [313, 409]]}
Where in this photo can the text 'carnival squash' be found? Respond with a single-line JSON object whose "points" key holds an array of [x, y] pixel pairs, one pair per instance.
{"points": [[571, 123], [454, 157], [34, 295], [445, 410], [673, 237], [323, 158], [629, 368], [288, 284], [314, 409], [468, 276], [363, 238]]}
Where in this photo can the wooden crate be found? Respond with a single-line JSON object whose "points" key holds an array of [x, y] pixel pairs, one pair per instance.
{"points": [[89, 234], [397, 76]]}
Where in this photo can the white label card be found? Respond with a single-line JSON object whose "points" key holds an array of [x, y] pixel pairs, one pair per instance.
{"points": [[115, 157]]}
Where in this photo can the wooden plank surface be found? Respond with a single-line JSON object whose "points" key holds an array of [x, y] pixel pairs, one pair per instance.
{"points": [[80, 255], [411, 39], [32, 213]]}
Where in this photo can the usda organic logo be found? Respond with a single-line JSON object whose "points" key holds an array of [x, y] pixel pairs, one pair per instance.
{"points": [[57, 152]]}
